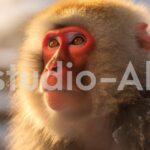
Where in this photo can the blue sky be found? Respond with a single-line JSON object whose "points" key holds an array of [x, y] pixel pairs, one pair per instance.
{"points": [[147, 1]]}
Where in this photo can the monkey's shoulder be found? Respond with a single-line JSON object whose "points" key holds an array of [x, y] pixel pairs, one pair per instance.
{"points": [[134, 124]]}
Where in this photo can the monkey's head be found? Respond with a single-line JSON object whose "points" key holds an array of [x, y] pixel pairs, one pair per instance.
{"points": [[83, 36]]}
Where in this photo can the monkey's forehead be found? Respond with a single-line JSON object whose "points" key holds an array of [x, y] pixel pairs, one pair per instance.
{"points": [[88, 9], [67, 29], [70, 7]]}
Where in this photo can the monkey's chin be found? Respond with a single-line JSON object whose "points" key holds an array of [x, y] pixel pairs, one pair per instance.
{"points": [[67, 101]]}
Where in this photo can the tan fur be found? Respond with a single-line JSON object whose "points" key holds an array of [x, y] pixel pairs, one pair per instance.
{"points": [[112, 23]]}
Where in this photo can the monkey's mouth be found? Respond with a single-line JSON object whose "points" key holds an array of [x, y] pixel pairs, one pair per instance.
{"points": [[58, 96], [65, 100]]}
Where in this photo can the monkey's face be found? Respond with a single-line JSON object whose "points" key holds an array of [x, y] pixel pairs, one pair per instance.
{"points": [[71, 47]]}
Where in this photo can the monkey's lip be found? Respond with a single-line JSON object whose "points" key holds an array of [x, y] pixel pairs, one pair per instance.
{"points": [[64, 89], [63, 100], [75, 90]]}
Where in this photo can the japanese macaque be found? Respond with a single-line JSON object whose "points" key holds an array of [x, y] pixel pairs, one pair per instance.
{"points": [[99, 36]]}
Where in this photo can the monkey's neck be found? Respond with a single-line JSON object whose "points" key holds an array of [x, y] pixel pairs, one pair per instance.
{"points": [[98, 135], [94, 133]]}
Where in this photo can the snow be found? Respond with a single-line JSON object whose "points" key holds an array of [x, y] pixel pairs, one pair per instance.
{"points": [[3, 133], [7, 56], [3, 129], [4, 102], [4, 107], [19, 10], [13, 14]]}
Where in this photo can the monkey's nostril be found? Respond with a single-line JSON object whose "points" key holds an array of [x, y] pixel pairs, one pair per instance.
{"points": [[55, 69]]}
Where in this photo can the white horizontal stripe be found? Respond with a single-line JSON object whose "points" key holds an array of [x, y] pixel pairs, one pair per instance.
{"points": [[108, 80]]}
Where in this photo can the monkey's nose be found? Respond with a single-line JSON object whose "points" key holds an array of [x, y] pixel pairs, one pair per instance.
{"points": [[55, 69]]}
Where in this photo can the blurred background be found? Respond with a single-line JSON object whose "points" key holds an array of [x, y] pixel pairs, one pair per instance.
{"points": [[13, 16]]}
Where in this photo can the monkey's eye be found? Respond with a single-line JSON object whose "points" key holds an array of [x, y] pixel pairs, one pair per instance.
{"points": [[53, 43], [78, 40]]}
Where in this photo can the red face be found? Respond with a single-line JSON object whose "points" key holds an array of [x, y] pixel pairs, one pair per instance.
{"points": [[72, 44], [69, 44]]}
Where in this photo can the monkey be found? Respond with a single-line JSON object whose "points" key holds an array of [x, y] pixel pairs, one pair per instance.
{"points": [[98, 36]]}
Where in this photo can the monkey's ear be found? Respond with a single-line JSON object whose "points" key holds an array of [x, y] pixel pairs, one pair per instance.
{"points": [[143, 36]]}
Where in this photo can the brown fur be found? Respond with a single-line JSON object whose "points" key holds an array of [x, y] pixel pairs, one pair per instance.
{"points": [[123, 114]]}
